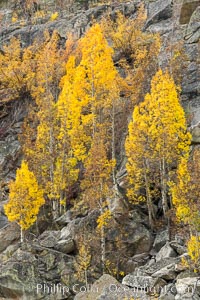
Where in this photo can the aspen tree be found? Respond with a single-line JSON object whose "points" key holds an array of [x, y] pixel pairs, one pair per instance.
{"points": [[193, 247], [97, 186], [70, 149], [99, 76], [168, 131], [98, 86], [156, 142], [137, 51], [42, 155], [186, 191], [70, 108], [185, 197], [25, 199], [139, 154], [16, 70], [83, 260]]}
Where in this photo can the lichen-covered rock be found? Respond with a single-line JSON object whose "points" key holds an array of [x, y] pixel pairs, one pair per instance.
{"points": [[18, 276], [180, 249], [159, 10], [157, 266], [64, 219], [107, 288], [161, 239], [187, 9], [65, 246], [193, 30], [3, 221], [165, 252], [166, 273], [8, 252], [168, 292], [9, 235], [49, 238], [141, 282], [117, 204], [187, 288], [196, 133]]}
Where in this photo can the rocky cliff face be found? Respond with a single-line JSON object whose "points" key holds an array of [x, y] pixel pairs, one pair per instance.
{"points": [[44, 267]]}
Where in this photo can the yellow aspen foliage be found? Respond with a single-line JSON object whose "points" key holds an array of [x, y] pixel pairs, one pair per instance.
{"points": [[14, 18], [70, 136], [123, 32], [98, 79], [137, 51], [168, 127], [70, 47], [97, 186], [48, 149], [83, 261], [96, 86], [16, 70], [103, 219], [54, 16], [113, 270], [97, 183], [49, 69], [69, 148], [69, 112], [185, 197], [156, 142], [186, 191], [180, 192], [38, 15], [25, 198], [89, 90], [193, 246]]}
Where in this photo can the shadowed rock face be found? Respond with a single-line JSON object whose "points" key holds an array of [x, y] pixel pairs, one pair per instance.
{"points": [[187, 10]]}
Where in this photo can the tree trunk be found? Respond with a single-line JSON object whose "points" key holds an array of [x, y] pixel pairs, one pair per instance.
{"points": [[103, 248], [86, 279], [149, 200], [55, 209], [113, 143], [21, 235], [163, 187], [103, 242]]}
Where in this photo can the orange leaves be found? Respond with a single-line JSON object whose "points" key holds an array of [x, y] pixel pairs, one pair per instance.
{"points": [[31, 71], [137, 51], [125, 32], [16, 70]]}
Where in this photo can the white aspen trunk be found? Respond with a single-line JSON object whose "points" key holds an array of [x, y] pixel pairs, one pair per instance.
{"points": [[55, 208], [21, 235], [113, 143], [93, 107], [103, 242], [86, 279], [163, 187], [103, 248], [148, 194], [149, 205]]}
